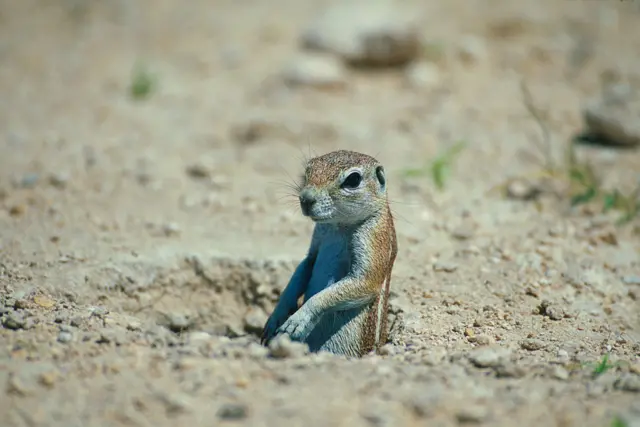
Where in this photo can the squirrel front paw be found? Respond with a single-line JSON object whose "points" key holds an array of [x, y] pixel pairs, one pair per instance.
{"points": [[299, 325], [277, 318]]}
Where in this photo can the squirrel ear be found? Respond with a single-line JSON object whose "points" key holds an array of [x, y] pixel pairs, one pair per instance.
{"points": [[380, 175]]}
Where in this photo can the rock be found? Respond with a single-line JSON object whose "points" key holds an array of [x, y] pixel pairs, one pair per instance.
{"points": [[444, 266], [59, 179], [198, 171], [110, 336], [255, 320], [628, 382], [171, 229], [44, 301], [175, 403], [422, 75], [555, 313], [532, 344], [434, 357], [49, 378], [615, 116], [315, 70], [631, 280], [559, 373], [510, 370], [13, 321], [472, 414], [198, 337], [17, 210], [422, 404], [176, 322], [233, 411], [471, 49], [257, 351], [463, 232], [21, 303], [281, 347], [552, 311], [489, 357], [65, 337], [388, 350], [481, 339], [519, 189], [363, 33], [28, 180], [562, 356]]}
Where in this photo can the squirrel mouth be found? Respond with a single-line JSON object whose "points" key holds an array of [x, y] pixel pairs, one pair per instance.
{"points": [[317, 218]]}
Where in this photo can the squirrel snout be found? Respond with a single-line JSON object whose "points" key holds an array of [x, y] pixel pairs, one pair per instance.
{"points": [[307, 200]]}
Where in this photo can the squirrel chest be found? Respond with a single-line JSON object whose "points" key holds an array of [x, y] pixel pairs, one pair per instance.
{"points": [[333, 261]]}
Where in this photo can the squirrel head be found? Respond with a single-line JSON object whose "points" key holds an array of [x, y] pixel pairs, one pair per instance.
{"points": [[343, 187]]}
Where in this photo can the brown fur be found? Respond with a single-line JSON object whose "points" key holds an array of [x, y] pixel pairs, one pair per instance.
{"points": [[368, 223], [324, 170], [383, 242]]}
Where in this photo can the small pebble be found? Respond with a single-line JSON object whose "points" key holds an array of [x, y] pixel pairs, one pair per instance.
{"points": [[255, 320], [176, 322], [462, 232], [446, 267], [48, 379], [257, 351], [65, 337], [17, 210], [628, 382], [175, 402], [559, 373], [489, 357], [171, 229], [471, 49], [631, 280], [28, 180], [59, 179], [563, 356], [76, 322], [522, 190], [421, 75], [532, 344], [481, 339], [233, 411], [472, 414], [281, 347], [198, 171], [510, 370], [14, 321], [388, 350]]}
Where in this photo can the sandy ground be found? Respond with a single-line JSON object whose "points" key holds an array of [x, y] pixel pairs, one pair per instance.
{"points": [[143, 242]]}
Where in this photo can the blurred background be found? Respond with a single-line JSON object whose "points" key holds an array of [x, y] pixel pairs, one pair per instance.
{"points": [[120, 98], [137, 133]]}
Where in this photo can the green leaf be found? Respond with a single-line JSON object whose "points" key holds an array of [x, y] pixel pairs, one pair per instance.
{"points": [[440, 166], [619, 422], [611, 201], [142, 83], [584, 197], [603, 366]]}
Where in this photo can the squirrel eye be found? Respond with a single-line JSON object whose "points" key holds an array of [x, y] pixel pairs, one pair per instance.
{"points": [[380, 174], [352, 181]]}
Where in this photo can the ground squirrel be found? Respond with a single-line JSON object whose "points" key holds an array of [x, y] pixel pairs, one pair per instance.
{"points": [[346, 273]]}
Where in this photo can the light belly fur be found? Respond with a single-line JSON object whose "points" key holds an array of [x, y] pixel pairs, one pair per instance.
{"points": [[337, 332]]}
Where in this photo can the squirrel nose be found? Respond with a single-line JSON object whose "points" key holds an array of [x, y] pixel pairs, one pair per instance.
{"points": [[306, 201]]}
